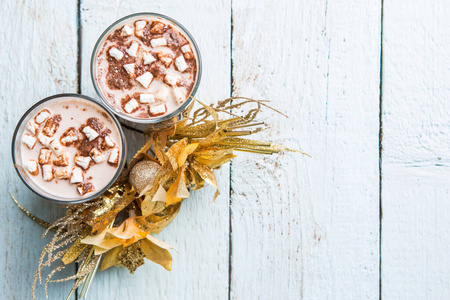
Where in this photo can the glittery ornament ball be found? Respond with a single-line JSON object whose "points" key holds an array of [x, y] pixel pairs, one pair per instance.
{"points": [[143, 173]]}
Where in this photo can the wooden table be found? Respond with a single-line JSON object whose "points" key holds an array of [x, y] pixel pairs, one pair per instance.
{"points": [[366, 85]]}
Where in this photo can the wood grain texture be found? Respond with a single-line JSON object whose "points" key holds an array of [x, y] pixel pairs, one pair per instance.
{"points": [[200, 231], [38, 58], [307, 228], [416, 147]]}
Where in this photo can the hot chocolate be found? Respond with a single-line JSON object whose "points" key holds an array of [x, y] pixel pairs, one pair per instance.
{"points": [[70, 148], [145, 67]]}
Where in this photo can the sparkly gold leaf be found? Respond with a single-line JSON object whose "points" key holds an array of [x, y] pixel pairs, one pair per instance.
{"points": [[206, 173], [175, 151], [185, 152], [111, 258], [156, 254]]}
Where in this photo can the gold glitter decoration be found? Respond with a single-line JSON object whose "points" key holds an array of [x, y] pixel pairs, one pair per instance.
{"points": [[142, 174], [177, 157]]}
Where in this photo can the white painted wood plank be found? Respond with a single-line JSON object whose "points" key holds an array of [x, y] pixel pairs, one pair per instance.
{"points": [[38, 58], [416, 148], [200, 231], [308, 227]]}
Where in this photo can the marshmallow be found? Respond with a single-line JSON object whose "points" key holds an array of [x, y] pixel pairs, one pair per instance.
{"points": [[96, 155], [186, 48], [32, 167], [52, 125], [84, 188], [109, 142], [62, 173], [47, 172], [157, 110], [29, 140], [140, 25], [145, 79], [126, 30], [44, 140], [133, 49], [148, 58], [44, 156], [90, 133], [180, 94], [163, 93], [181, 64], [56, 147], [158, 42], [32, 127], [68, 137], [165, 57], [77, 175], [171, 79], [62, 160], [83, 161], [157, 27], [42, 116], [131, 105], [147, 98], [116, 53], [114, 156], [129, 68]]}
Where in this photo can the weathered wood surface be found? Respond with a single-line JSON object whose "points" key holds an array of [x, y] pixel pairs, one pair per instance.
{"points": [[416, 149], [38, 58], [308, 227], [288, 226]]}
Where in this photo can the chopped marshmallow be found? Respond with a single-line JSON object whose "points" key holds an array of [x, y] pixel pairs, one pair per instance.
{"points": [[83, 161], [84, 188], [69, 137], [148, 58], [145, 79], [129, 68], [114, 156], [126, 30], [158, 42], [44, 156], [116, 53], [186, 48], [163, 93], [147, 98], [166, 57], [131, 105], [32, 127], [47, 172], [171, 79], [109, 142], [133, 49], [96, 155], [51, 125], [32, 167], [42, 116], [62, 160], [180, 94], [62, 173], [140, 25], [90, 133], [44, 140], [157, 110], [181, 64], [29, 140], [77, 175], [56, 147]]}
